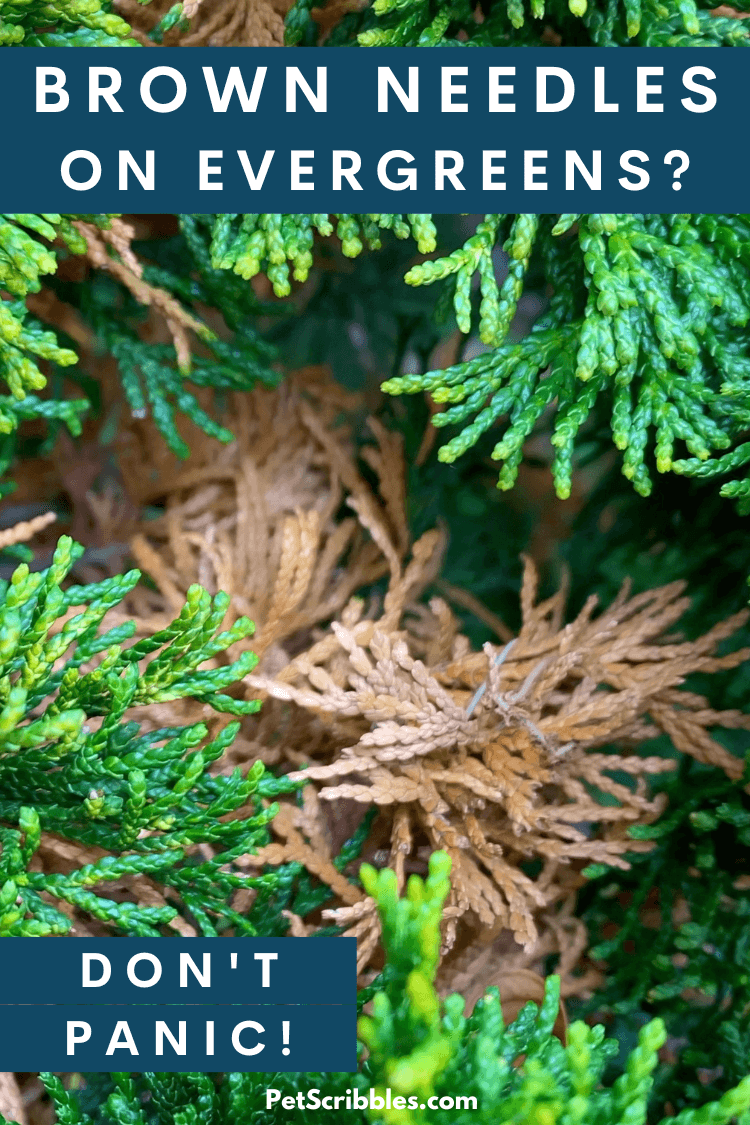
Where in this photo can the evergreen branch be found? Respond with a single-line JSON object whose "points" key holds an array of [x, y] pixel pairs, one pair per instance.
{"points": [[73, 762]]}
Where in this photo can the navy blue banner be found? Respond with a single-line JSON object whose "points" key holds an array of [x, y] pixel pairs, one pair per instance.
{"points": [[179, 971], [365, 130], [178, 1038], [198, 1004]]}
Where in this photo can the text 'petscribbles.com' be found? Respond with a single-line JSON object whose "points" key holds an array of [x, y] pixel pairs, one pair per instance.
{"points": [[369, 1098]]}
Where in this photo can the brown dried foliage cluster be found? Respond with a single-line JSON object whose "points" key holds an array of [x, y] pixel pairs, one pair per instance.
{"points": [[521, 753], [211, 23], [282, 519], [500, 762]]}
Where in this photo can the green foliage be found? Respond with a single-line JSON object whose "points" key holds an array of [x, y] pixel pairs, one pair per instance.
{"points": [[683, 532], [682, 902], [24, 260], [74, 761], [430, 23], [647, 321], [152, 378], [173, 18], [642, 343], [422, 1050], [251, 244], [65, 23], [418, 1046], [298, 23], [648, 312]]}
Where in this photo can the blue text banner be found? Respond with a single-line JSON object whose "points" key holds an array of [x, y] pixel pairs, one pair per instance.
{"points": [[326, 129]]}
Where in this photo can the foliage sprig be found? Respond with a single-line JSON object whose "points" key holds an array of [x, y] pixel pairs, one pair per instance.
{"points": [[648, 313], [75, 761]]}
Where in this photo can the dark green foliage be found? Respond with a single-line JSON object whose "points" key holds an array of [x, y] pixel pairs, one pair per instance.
{"points": [[420, 1049], [672, 931], [356, 316], [298, 24], [683, 532], [152, 379], [73, 761], [676, 926], [173, 18]]}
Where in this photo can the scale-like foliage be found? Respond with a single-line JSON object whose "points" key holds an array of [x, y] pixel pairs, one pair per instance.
{"points": [[648, 313], [24, 260], [74, 760], [175, 280], [115, 302], [64, 23], [648, 320], [251, 244], [686, 902], [418, 1046], [601, 23]]}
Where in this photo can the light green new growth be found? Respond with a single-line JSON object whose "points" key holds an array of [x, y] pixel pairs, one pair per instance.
{"points": [[24, 260], [418, 1045], [62, 23]]}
